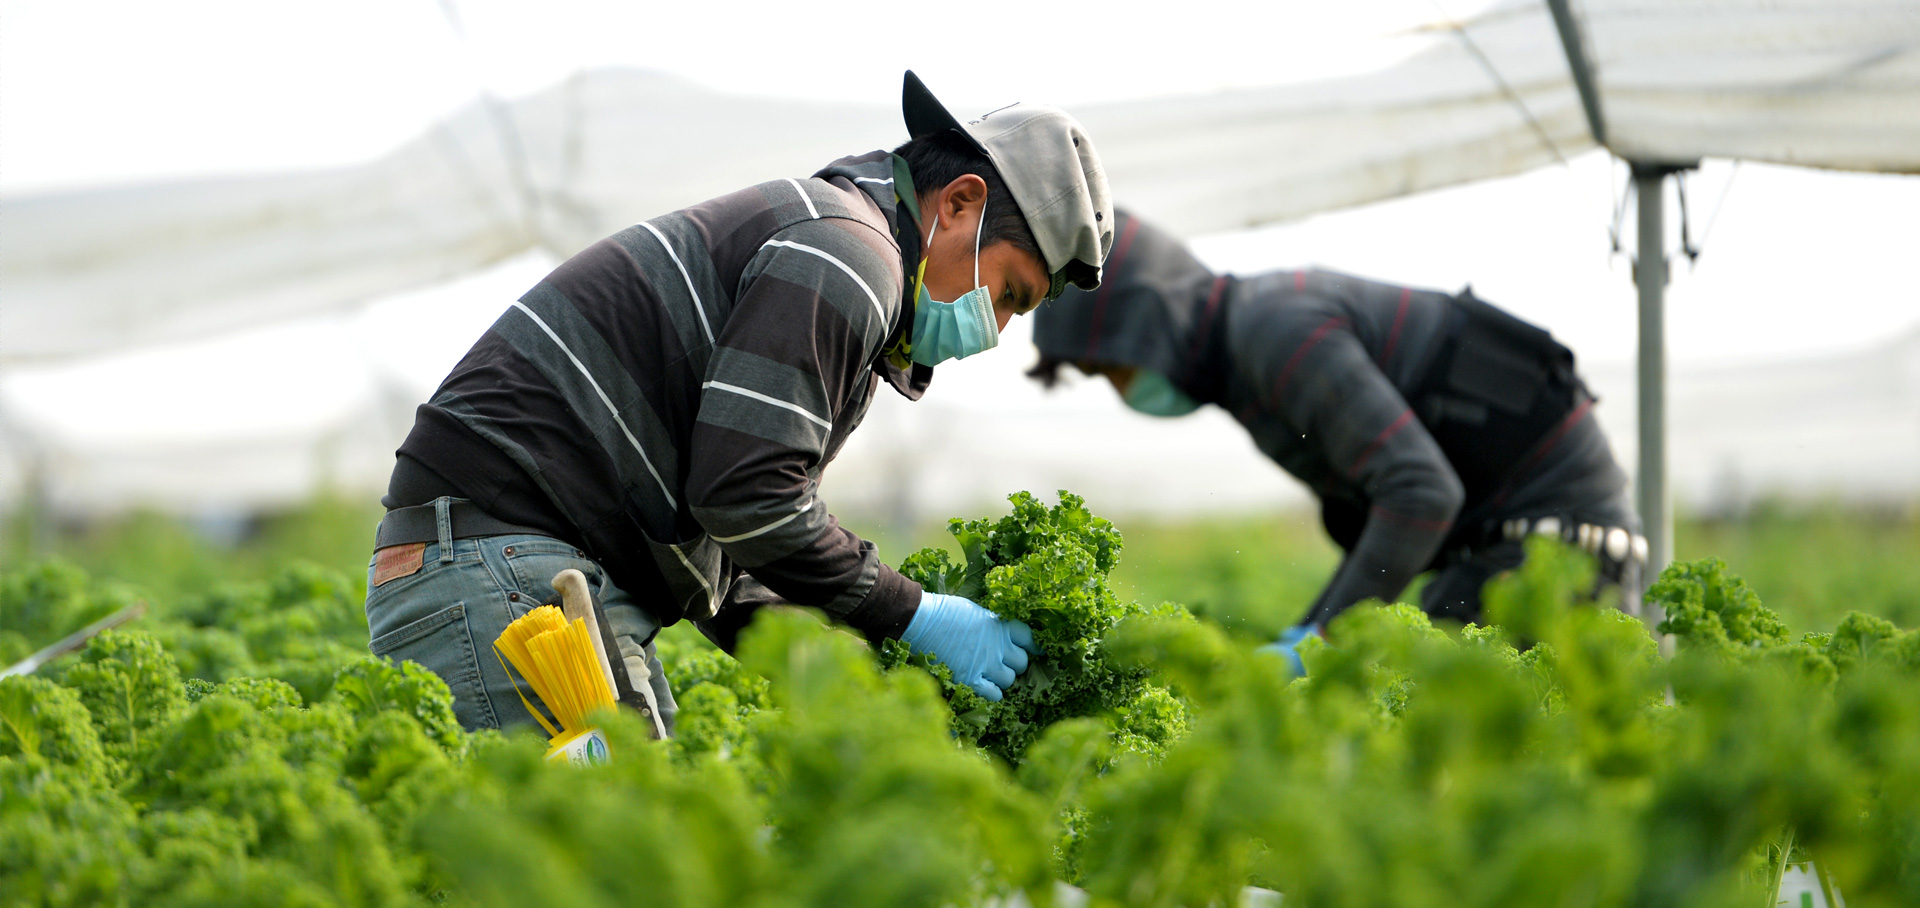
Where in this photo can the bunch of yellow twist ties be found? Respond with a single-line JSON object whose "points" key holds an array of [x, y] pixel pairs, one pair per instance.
{"points": [[559, 659]]}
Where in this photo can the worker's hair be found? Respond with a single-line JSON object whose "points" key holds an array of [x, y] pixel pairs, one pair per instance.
{"points": [[939, 158]]}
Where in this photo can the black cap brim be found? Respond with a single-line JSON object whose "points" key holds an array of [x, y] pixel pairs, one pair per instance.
{"points": [[925, 115]]}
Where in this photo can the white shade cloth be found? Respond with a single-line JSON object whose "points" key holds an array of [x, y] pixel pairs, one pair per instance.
{"points": [[1808, 82]]}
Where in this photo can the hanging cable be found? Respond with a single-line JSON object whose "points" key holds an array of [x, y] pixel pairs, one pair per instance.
{"points": [[1619, 210], [1686, 221], [1719, 204], [506, 130], [1725, 191], [1687, 245], [1466, 40]]}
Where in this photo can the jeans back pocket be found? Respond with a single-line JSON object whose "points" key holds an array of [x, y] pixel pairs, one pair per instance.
{"points": [[443, 644]]}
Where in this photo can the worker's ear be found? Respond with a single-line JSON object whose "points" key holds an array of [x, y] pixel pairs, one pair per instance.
{"points": [[967, 192]]}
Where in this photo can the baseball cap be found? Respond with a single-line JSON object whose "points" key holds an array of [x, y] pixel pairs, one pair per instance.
{"points": [[1049, 165]]}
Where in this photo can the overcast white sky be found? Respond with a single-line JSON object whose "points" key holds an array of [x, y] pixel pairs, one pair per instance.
{"points": [[92, 93], [114, 90]]}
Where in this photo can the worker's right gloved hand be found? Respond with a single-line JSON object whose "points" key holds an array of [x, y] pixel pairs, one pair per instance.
{"points": [[1288, 646], [984, 651]]}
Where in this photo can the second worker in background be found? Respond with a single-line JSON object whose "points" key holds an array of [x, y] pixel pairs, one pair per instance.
{"points": [[1436, 430]]}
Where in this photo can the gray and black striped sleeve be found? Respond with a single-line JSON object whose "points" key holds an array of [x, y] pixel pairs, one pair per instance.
{"points": [[814, 307], [1316, 374]]}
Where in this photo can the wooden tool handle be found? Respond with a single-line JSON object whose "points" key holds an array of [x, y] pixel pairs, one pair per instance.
{"points": [[576, 601]]}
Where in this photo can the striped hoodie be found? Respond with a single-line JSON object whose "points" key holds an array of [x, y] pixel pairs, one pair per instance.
{"points": [[671, 395]]}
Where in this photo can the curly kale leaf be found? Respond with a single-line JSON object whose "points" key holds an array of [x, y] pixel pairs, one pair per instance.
{"points": [[1708, 608], [711, 666], [307, 782], [266, 694], [718, 699], [890, 783], [302, 626], [1712, 611], [937, 572], [44, 602], [1046, 566], [1861, 639], [371, 685], [130, 686], [65, 839], [44, 721]]}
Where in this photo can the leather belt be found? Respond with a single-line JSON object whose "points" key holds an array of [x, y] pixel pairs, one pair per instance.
{"points": [[1614, 542], [421, 523]]}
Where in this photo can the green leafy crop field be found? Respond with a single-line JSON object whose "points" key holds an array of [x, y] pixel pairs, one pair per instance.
{"points": [[1258, 574], [238, 746]]}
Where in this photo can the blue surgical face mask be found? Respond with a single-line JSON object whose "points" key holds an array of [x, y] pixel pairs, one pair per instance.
{"points": [[956, 330], [1153, 394]]}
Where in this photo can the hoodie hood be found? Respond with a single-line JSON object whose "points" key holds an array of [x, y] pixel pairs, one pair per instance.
{"points": [[885, 179], [1157, 307]]}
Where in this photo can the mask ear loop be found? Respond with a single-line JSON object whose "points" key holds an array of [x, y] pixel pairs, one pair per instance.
{"points": [[977, 231], [920, 276], [976, 242]]}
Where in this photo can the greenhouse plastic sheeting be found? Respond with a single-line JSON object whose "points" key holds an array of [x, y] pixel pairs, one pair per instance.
{"points": [[1826, 84]]}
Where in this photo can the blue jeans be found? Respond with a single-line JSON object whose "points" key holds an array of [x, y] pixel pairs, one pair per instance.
{"points": [[446, 614]]}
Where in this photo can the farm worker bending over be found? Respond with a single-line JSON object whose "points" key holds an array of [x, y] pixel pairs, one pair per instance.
{"points": [[1437, 430], [657, 412]]}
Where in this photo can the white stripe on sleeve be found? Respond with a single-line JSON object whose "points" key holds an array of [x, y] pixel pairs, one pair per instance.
{"points": [[769, 527], [877, 308], [608, 402], [749, 392], [698, 308], [815, 212]]}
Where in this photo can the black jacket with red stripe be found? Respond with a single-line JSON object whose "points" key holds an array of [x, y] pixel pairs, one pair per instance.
{"points": [[1420, 419]]}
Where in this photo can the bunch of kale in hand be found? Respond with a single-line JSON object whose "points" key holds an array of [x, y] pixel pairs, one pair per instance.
{"points": [[1046, 566]]}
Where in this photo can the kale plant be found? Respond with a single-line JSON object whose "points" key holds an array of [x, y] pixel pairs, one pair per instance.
{"points": [[1046, 566], [1713, 613]]}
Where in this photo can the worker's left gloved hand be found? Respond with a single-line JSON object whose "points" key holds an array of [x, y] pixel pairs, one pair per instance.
{"points": [[983, 650], [1288, 646]]}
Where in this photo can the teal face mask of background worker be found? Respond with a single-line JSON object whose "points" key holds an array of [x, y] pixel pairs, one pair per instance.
{"points": [[956, 330], [1153, 394]]}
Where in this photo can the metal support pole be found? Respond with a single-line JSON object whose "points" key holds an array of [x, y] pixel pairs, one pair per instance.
{"points": [[1650, 278]]}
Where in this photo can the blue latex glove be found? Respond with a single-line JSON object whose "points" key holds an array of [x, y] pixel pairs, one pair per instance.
{"points": [[982, 650], [1288, 646]]}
